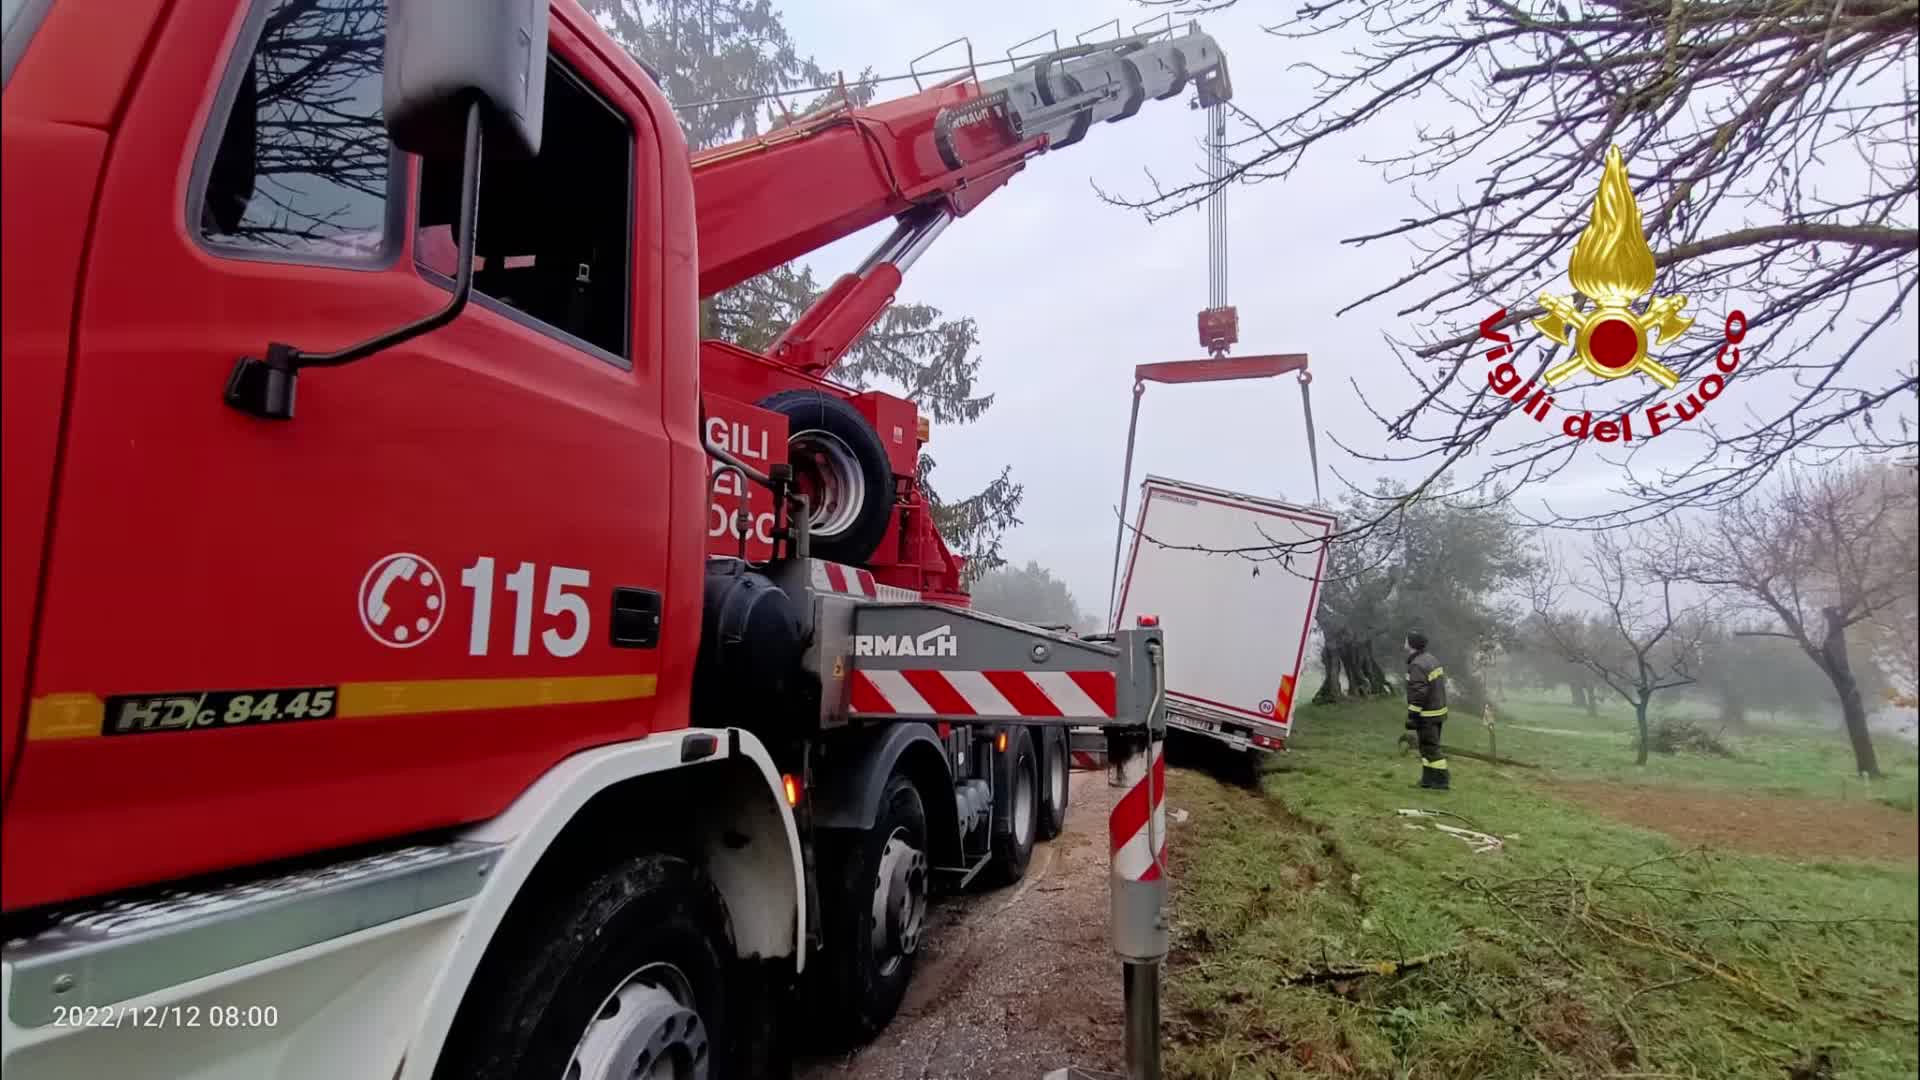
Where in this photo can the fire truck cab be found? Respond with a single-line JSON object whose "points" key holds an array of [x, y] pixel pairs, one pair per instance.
{"points": [[376, 699]]}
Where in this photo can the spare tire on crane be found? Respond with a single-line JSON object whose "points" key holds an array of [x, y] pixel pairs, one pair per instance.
{"points": [[841, 466]]}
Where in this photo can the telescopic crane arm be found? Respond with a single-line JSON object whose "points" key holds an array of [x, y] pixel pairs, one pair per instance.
{"points": [[922, 160]]}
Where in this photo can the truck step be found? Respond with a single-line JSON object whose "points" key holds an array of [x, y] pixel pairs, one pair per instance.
{"points": [[124, 948], [959, 877]]}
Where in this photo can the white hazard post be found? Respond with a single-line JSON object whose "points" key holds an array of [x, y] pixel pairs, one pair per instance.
{"points": [[1137, 830], [1137, 876]]}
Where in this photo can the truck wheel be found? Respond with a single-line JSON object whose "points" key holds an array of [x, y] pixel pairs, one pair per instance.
{"points": [[1253, 764], [1017, 820], [841, 467], [1055, 790], [874, 909], [623, 978]]}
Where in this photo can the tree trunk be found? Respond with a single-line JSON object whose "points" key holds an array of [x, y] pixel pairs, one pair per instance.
{"points": [[1376, 675], [1466, 692], [1356, 671], [1833, 660], [1640, 718], [1733, 706], [1329, 692], [1585, 696]]}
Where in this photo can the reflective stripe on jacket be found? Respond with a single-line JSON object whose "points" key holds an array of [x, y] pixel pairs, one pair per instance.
{"points": [[1426, 686]]}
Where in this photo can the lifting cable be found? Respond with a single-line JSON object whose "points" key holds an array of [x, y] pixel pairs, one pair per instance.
{"points": [[1216, 206], [1218, 169]]}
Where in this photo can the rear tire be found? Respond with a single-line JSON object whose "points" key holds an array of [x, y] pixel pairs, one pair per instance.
{"points": [[840, 463], [874, 888], [618, 977], [1056, 788], [1016, 812], [1253, 765]]}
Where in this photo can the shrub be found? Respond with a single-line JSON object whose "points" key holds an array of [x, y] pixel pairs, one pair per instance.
{"points": [[1674, 735]]}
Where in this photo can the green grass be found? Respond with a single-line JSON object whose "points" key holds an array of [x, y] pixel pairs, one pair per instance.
{"points": [[1784, 757], [1532, 977]]}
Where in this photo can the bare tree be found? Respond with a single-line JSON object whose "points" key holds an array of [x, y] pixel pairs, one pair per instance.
{"points": [[1631, 635], [1820, 552], [1772, 144]]}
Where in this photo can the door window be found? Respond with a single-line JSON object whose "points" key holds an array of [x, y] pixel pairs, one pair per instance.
{"points": [[303, 162], [555, 235]]}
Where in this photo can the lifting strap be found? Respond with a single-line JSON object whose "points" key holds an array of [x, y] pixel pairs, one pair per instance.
{"points": [[1313, 449]]}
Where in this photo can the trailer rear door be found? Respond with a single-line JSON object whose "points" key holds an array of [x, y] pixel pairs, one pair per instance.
{"points": [[1236, 617]]}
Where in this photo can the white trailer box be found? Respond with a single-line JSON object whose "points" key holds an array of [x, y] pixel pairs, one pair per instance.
{"points": [[1236, 624]]}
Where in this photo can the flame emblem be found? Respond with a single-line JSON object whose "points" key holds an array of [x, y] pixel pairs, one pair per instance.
{"points": [[1613, 267]]}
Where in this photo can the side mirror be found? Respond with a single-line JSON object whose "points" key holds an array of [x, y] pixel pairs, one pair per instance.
{"points": [[443, 56], [461, 76]]}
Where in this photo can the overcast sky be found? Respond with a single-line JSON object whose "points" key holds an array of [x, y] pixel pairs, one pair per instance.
{"points": [[1070, 293]]}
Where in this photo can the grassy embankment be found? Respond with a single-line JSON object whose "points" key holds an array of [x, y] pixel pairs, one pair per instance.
{"points": [[1584, 947]]}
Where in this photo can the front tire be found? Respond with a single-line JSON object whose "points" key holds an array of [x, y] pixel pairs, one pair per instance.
{"points": [[874, 887], [624, 977]]}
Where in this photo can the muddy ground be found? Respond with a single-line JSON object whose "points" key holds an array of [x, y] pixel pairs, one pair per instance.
{"points": [[1767, 824], [1013, 982]]}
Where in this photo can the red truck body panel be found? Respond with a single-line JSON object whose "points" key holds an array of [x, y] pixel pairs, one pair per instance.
{"points": [[195, 549], [757, 437], [57, 117], [407, 595]]}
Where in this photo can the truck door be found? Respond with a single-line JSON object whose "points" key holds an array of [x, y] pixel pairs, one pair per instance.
{"points": [[391, 612]]}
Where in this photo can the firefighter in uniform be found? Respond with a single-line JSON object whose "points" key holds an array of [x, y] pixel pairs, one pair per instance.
{"points": [[1427, 709]]}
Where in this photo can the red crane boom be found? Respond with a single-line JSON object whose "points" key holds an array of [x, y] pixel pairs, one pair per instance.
{"points": [[922, 160]]}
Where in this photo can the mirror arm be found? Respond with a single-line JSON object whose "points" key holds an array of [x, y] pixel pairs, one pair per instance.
{"points": [[265, 388]]}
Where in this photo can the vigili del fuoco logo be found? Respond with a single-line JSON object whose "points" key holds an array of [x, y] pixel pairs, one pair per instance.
{"points": [[1612, 336]]}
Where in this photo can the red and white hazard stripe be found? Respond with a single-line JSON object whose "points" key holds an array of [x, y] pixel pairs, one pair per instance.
{"points": [[1079, 694], [1137, 827], [852, 581]]}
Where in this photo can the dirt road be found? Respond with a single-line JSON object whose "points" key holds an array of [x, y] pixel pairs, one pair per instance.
{"points": [[1013, 982]]}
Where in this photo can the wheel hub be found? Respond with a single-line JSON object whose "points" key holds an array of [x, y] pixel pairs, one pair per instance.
{"points": [[828, 473], [899, 902], [646, 1029]]}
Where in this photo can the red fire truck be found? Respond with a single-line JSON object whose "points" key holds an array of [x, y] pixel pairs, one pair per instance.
{"points": [[423, 656]]}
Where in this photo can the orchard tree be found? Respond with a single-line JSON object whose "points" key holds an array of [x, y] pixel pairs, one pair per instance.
{"points": [[1537, 661], [1817, 554], [1770, 146], [1620, 621], [1745, 670], [732, 71], [1355, 617], [1441, 566], [1890, 637]]}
